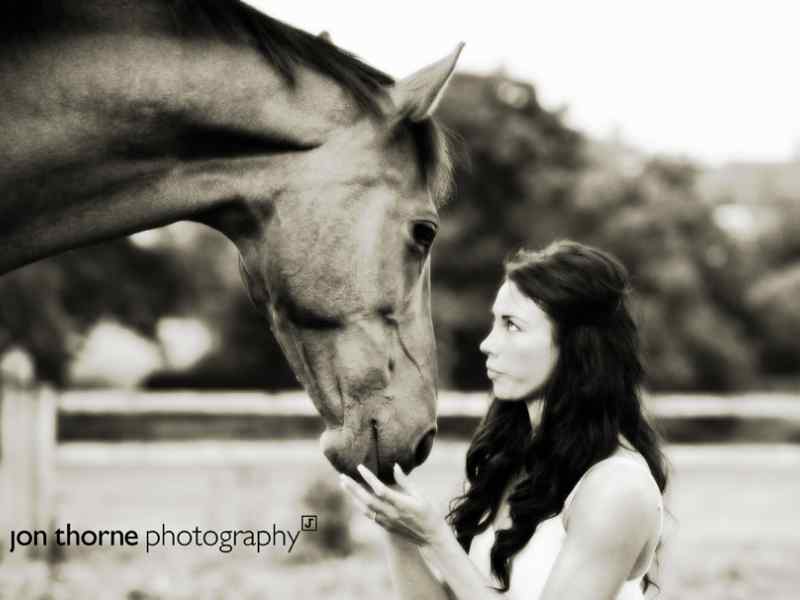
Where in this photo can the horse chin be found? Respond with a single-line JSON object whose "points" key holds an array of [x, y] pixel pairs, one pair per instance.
{"points": [[345, 450], [373, 415], [346, 446], [373, 433]]}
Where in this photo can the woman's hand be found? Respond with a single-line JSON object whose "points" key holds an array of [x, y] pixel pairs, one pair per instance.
{"points": [[399, 508]]}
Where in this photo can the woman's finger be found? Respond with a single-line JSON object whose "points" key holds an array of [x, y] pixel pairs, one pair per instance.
{"points": [[367, 508], [369, 501], [403, 481], [394, 496], [380, 489], [387, 520], [358, 492], [360, 505]]}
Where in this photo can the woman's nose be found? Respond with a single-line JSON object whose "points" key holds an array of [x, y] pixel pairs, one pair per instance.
{"points": [[485, 346]]}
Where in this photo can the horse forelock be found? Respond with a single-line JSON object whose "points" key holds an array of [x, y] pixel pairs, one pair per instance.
{"points": [[432, 144]]}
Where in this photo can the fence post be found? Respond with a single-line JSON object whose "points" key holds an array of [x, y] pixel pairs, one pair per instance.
{"points": [[27, 453]]}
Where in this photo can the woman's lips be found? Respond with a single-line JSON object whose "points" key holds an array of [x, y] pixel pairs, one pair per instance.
{"points": [[491, 373]]}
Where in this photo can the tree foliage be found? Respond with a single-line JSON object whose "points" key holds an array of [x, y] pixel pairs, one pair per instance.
{"points": [[714, 313]]}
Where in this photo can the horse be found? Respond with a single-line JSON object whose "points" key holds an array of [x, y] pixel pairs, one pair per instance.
{"points": [[327, 174]]}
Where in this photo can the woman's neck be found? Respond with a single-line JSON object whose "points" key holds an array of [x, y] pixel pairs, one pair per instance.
{"points": [[535, 408]]}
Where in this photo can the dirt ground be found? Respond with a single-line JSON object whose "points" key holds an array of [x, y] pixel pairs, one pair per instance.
{"points": [[732, 529]]}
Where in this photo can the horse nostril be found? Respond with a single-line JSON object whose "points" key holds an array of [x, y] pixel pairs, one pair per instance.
{"points": [[391, 365], [424, 447]]}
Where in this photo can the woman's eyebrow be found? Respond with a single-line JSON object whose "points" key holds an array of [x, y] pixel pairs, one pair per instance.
{"points": [[508, 316], [517, 318]]}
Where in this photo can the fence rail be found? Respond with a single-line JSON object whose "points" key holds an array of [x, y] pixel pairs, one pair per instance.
{"points": [[117, 415], [36, 425], [450, 403]]}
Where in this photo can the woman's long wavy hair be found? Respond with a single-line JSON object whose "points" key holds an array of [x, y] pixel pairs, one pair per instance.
{"points": [[589, 398]]}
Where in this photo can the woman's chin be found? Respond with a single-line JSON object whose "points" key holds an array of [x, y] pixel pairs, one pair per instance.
{"points": [[502, 394], [510, 395]]}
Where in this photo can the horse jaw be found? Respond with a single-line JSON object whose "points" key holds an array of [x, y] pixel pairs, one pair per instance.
{"points": [[372, 382]]}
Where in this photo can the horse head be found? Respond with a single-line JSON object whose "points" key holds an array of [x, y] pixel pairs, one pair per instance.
{"points": [[325, 172], [342, 270]]}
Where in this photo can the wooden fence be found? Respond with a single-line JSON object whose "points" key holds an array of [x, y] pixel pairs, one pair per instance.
{"points": [[34, 421], [27, 450]]}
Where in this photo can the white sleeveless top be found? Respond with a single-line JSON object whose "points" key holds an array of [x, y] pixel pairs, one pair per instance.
{"points": [[533, 563]]}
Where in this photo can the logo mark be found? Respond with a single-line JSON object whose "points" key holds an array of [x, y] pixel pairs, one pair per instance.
{"points": [[308, 522]]}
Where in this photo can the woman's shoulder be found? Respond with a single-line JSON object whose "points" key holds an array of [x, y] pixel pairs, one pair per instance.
{"points": [[616, 513], [618, 485]]}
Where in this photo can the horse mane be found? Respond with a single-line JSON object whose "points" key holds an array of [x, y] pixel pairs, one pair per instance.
{"points": [[282, 45], [285, 47], [431, 140]]}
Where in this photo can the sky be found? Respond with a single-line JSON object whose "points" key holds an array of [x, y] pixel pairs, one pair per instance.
{"points": [[709, 80]]}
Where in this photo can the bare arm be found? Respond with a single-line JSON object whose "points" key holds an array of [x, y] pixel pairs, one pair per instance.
{"points": [[458, 570], [411, 575], [610, 521], [411, 516]]}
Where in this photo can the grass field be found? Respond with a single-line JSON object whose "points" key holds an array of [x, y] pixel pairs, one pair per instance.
{"points": [[732, 532]]}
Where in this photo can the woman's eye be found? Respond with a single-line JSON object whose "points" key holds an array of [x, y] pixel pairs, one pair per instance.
{"points": [[510, 324]]}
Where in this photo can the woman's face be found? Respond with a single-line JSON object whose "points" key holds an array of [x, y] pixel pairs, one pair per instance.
{"points": [[519, 349]]}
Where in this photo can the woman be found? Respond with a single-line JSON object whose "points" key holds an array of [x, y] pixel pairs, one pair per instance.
{"points": [[566, 476]]}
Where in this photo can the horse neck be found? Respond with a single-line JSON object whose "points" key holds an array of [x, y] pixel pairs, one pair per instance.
{"points": [[112, 131]]}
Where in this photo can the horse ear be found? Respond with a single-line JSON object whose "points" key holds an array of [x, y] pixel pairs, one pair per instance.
{"points": [[419, 94]]}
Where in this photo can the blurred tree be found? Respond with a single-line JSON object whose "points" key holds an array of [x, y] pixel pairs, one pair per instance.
{"points": [[46, 308], [695, 322], [773, 290], [774, 302], [245, 355], [516, 165], [714, 312], [533, 180]]}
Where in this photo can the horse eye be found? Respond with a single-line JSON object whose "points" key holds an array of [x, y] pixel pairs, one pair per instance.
{"points": [[424, 233]]}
